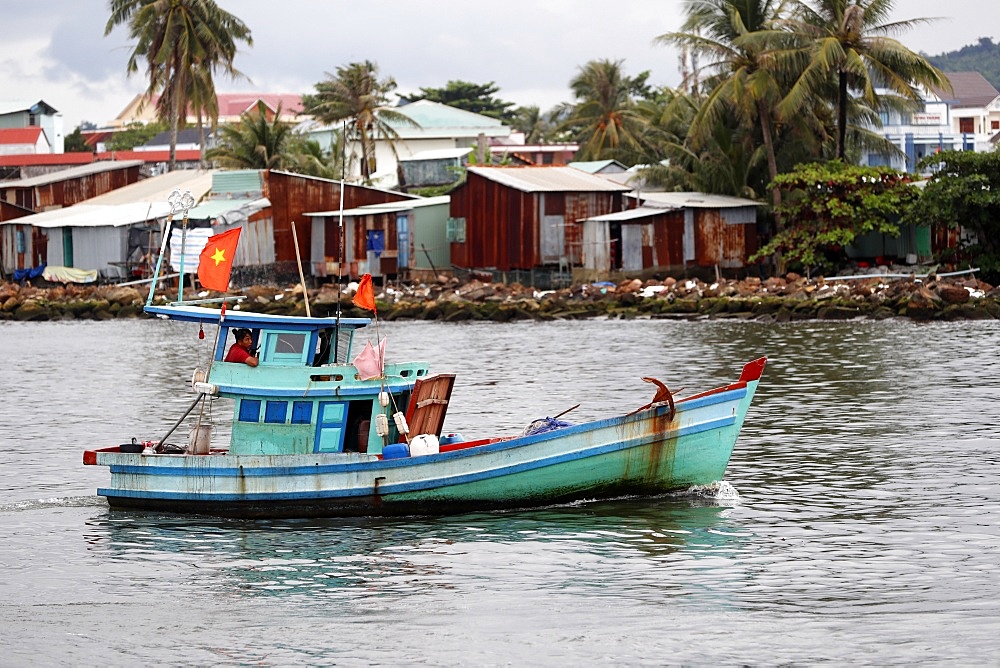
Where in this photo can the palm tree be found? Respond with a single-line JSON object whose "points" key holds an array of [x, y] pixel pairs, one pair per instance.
{"points": [[356, 93], [720, 162], [604, 119], [202, 101], [258, 141], [183, 42], [849, 42], [531, 122], [305, 156], [743, 46]]}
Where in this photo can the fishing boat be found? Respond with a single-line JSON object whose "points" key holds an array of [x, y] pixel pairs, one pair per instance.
{"points": [[321, 429], [310, 437]]}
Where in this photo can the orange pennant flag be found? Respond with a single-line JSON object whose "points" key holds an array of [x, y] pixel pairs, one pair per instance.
{"points": [[216, 260], [365, 296]]}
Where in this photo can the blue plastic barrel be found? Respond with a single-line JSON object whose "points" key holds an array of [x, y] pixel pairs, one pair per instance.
{"points": [[395, 451]]}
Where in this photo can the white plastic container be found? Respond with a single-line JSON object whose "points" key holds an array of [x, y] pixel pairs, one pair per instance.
{"points": [[424, 444]]}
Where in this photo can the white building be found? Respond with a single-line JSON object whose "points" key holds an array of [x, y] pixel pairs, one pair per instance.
{"points": [[436, 127], [38, 114], [965, 119]]}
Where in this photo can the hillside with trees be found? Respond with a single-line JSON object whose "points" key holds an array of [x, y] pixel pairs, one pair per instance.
{"points": [[983, 57]]}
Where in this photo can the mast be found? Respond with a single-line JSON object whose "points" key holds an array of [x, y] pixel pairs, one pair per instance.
{"points": [[340, 262]]}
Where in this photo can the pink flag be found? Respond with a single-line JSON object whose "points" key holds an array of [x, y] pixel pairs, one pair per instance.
{"points": [[370, 361]]}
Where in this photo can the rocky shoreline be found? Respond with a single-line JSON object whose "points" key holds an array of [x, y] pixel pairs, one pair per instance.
{"points": [[775, 299]]}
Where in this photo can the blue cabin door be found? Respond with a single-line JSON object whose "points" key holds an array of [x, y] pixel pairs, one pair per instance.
{"points": [[402, 241], [330, 427]]}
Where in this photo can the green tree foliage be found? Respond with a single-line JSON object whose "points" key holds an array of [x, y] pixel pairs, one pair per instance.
{"points": [[182, 42], [258, 141], [982, 57], [356, 94], [305, 156], [604, 119], [134, 134], [826, 206], [739, 39], [477, 98], [850, 42], [75, 143], [965, 192], [538, 127]]}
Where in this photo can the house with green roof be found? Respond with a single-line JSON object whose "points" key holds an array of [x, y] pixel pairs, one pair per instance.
{"points": [[436, 127]]}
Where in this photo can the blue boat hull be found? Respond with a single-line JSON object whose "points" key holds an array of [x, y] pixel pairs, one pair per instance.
{"points": [[654, 451]]}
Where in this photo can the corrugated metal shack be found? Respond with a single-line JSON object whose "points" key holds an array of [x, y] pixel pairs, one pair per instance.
{"points": [[113, 234], [632, 241], [518, 219], [70, 186], [397, 239], [670, 233], [292, 195]]}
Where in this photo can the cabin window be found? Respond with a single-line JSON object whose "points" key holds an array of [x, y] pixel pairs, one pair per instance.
{"points": [[250, 410], [275, 412], [302, 412], [284, 347]]}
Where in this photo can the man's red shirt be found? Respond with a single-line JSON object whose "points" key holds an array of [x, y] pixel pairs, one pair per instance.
{"points": [[237, 353]]}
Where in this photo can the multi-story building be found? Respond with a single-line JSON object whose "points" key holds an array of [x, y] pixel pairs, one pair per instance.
{"points": [[967, 118]]}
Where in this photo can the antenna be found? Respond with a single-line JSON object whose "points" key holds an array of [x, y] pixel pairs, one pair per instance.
{"points": [[178, 201]]}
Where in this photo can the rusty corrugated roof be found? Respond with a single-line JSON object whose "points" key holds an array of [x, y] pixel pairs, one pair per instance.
{"points": [[547, 179], [71, 173]]}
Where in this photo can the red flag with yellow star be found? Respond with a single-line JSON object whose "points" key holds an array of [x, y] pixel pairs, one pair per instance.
{"points": [[216, 260]]}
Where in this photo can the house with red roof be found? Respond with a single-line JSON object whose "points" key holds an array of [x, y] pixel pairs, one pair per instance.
{"points": [[21, 114], [21, 141]]}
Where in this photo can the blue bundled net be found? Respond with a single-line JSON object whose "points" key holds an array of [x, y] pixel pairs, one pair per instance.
{"points": [[543, 425]]}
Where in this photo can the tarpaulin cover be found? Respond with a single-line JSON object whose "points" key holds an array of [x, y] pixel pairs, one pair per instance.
{"points": [[30, 272], [376, 242], [69, 275], [543, 425]]}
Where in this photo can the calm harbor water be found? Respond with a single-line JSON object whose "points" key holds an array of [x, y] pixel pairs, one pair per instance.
{"points": [[860, 522]]}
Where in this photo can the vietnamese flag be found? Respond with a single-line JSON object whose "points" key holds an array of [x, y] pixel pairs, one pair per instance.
{"points": [[365, 295], [216, 260]]}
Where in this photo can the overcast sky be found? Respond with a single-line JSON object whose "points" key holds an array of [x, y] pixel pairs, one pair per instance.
{"points": [[56, 51]]}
